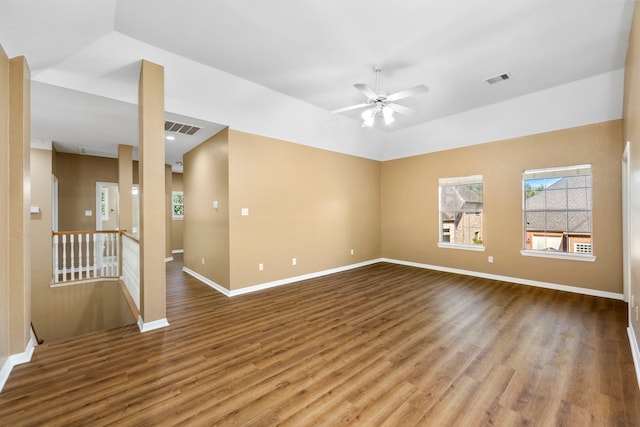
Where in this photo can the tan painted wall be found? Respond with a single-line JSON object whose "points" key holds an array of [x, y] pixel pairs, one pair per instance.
{"points": [[4, 207], [206, 230], [631, 132], [168, 178], [410, 205], [303, 202], [41, 162], [103, 307], [177, 228], [77, 176], [125, 183], [20, 195]]}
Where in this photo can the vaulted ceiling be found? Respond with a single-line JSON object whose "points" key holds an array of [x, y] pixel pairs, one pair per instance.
{"points": [[278, 67]]}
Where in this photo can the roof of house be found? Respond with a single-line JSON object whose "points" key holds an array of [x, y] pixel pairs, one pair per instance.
{"points": [[563, 206]]}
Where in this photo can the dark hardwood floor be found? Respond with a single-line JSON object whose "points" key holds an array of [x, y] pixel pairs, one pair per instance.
{"points": [[383, 345]]}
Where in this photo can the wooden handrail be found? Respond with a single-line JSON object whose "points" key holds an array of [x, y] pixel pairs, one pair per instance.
{"points": [[131, 236], [59, 233]]}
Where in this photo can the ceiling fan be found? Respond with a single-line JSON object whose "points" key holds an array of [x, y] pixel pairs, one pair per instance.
{"points": [[378, 103]]}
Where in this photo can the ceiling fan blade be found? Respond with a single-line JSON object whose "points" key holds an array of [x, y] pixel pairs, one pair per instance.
{"points": [[402, 109], [369, 93], [353, 107], [417, 90]]}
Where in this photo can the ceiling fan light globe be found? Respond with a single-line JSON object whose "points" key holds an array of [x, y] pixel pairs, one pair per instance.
{"points": [[367, 114], [387, 113]]}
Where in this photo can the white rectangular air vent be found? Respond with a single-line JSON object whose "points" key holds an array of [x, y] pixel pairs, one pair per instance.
{"points": [[498, 78], [180, 128]]}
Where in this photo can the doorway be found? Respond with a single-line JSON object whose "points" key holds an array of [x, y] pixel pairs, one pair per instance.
{"points": [[107, 209]]}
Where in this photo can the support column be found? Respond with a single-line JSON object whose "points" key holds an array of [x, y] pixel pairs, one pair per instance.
{"points": [[19, 200], [125, 183], [152, 197]]}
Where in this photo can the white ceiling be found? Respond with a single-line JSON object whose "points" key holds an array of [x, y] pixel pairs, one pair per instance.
{"points": [[278, 67]]}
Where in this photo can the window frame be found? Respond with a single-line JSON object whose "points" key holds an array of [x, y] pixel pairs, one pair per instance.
{"points": [[174, 204], [557, 172], [454, 181]]}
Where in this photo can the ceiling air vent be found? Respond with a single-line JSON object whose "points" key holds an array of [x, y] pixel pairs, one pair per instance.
{"points": [[498, 78], [180, 128]]}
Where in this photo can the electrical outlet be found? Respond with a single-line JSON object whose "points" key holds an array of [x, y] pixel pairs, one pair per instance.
{"points": [[261, 266], [353, 252], [202, 260], [294, 261], [490, 259]]}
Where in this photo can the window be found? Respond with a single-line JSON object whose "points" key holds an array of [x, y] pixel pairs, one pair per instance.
{"points": [[104, 203], [461, 213], [177, 204], [557, 212]]}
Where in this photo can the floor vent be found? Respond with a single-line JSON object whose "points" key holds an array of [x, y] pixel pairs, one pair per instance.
{"points": [[498, 78], [181, 128]]}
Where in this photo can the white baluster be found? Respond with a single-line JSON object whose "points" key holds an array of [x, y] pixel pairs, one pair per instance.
{"points": [[118, 255], [80, 256], [88, 247], [111, 253], [64, 257], [111, 265], [72, 265], [95, 255], [103, 254], [55, 258]]}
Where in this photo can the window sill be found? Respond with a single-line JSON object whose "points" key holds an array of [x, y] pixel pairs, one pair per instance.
{"points": [[477, 248], [558, 255], [178, 217]]}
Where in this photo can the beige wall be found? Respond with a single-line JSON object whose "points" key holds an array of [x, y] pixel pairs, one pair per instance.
{"points": [[177, 228], [410, 205], [4, 208], [19, 195], [41, 242], [77, 176], [303, 202], [206, 230], [632, 134], [168, 179], [57, 316]]}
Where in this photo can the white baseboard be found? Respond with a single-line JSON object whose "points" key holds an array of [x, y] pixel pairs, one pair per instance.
{"points": [[635, 351], [517, 280], [267, 285], [168, 259], [177, 251], [224, 291], [547, 285], [150, 326], [16, 359]]}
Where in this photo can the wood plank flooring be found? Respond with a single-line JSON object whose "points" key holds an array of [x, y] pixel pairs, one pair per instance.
{"points": [[383, 345]]}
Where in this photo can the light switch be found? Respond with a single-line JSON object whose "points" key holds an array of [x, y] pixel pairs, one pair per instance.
{"points": [[245, 211], [215, 204], [88, 213]]}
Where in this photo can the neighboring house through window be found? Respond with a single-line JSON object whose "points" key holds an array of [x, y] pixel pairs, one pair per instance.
{"points": [[557, 212], [461, 212], [177, 205]]}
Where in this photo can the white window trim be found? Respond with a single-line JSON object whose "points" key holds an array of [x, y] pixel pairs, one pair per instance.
{"points": [[176, 217], [461, 246], [558, 255]]}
